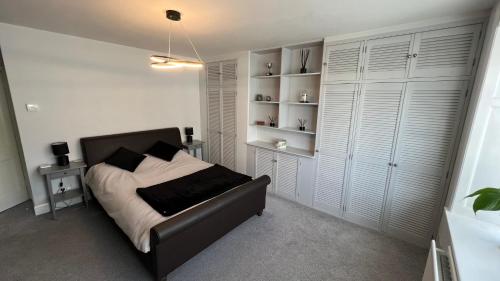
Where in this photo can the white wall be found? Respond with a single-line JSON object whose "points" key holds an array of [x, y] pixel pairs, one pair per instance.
{"points": [[479, 165], [86, 88], [243, 61]]}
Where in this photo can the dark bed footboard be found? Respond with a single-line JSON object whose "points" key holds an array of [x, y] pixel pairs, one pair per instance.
{"points": [[176, 240]]}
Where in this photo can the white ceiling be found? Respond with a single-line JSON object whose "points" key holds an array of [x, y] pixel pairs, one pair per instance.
{"points": [[224, 26]]}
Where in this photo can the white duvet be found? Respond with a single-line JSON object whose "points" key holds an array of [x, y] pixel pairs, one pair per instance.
{"points": [[115, 188]]}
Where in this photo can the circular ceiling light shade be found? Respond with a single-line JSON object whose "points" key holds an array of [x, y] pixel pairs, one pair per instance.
{"points": [[168, 62]]}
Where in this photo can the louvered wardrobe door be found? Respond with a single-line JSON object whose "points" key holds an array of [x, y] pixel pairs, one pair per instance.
{"points": [[388, 57], [445, 52], [229, 128], [264, 165], [286, 175], [214, 112], [428, 132], [213, 75], [376, 125], [214, 126], [336, 117], [229, 114], [343, 61]]}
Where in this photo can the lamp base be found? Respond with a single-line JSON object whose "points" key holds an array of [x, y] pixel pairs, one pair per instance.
{"points": [[62, 160]]}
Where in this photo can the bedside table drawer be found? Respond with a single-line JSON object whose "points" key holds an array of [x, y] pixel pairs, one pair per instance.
{"points": [[64, 174]]}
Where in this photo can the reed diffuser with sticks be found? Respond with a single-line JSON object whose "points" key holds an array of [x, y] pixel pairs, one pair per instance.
{"points": [[272, 121], [304, 56], [302, 124]]}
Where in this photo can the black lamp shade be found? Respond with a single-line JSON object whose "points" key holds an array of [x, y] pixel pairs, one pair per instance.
{"points": [[60, 148], [188, 131]]}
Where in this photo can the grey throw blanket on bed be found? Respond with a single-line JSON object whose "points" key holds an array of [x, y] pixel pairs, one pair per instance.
{"points": [[173, 196]]}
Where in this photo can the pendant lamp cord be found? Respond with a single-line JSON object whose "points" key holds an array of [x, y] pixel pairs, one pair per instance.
{"points": [[169, 34], [190, 42]]}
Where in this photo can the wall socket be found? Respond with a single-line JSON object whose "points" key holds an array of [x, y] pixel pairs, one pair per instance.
{"points": [[32, 107]]}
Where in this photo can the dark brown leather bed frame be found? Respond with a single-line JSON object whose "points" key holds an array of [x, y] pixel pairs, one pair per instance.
{"points": [[181, 237]]}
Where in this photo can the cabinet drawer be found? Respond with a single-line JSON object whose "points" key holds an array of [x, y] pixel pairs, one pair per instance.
{"points": [[64, 174]]}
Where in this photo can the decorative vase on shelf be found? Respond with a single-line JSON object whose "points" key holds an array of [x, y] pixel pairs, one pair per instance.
{"points": [[304, 56], [259, 97], [304, 96], [272, 121], [269, 65], [302, 124]]}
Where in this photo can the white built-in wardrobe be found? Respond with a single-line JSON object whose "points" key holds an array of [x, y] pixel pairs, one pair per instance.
{"points": [[390, 119], [390, 116], [221, 111]]}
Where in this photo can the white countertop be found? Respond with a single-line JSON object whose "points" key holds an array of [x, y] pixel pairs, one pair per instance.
{"points": [[476, 248]]}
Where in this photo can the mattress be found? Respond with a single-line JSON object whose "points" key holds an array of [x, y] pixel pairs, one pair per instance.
{"points": [[115, 189]]}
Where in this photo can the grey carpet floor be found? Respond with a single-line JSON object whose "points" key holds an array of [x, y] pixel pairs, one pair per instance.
{"points": [[289, 242]]}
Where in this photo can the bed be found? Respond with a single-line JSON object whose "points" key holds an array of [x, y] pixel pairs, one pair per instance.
{"points": [[172, 240]]}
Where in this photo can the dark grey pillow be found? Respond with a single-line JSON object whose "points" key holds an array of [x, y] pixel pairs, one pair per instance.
{"points": [[163, 150], [125, 159]]}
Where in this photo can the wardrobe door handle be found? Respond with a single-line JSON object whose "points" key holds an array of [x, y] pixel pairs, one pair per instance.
{"points": [[408, 56], [415, 55], [395, 165], [390, 164]]}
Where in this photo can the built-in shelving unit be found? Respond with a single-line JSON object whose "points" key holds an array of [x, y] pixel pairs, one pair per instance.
{"points": [[284, 87]]}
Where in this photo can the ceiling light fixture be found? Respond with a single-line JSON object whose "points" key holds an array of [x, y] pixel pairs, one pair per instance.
{"points": [[169, 62]]}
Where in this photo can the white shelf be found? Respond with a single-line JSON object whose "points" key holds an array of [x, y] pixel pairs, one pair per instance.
{"points": [[301, 74], [291, 129], [265, 102], [287, 129], [301, 103], [288, 150], [266, 76]]}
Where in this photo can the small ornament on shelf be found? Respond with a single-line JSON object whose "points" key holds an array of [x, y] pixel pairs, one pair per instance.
{"points": [[304, 56], [304, 96], [302, 124], [272, 121], [268, 98], [260, 123], [269, 65], [280, 144], [259, 97]]}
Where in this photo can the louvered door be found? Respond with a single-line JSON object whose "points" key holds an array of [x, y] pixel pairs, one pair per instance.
{"points": [[264, 165], [445, 52], [388, 57], [427, 135], [214, 122], [343, 62], [286, 175], [221, 103], [213, 75], [229, 114], [376, 126], [338, 105]]}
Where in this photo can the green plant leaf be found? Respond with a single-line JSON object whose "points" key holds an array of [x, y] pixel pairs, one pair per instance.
{"points": [[484, 191], [488, 199]]}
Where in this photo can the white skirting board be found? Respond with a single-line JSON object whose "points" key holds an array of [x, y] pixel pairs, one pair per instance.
{"points": [[44, 208]]}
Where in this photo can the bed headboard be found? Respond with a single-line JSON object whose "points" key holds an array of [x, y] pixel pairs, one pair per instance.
{"points": [[97, 149]]}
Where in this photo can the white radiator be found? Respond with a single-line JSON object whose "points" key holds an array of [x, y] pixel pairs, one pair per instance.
{"points": [[440, 265]]}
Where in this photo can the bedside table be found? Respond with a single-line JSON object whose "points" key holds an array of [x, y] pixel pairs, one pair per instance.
{"points": [[193, 146], [58, 172]]}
